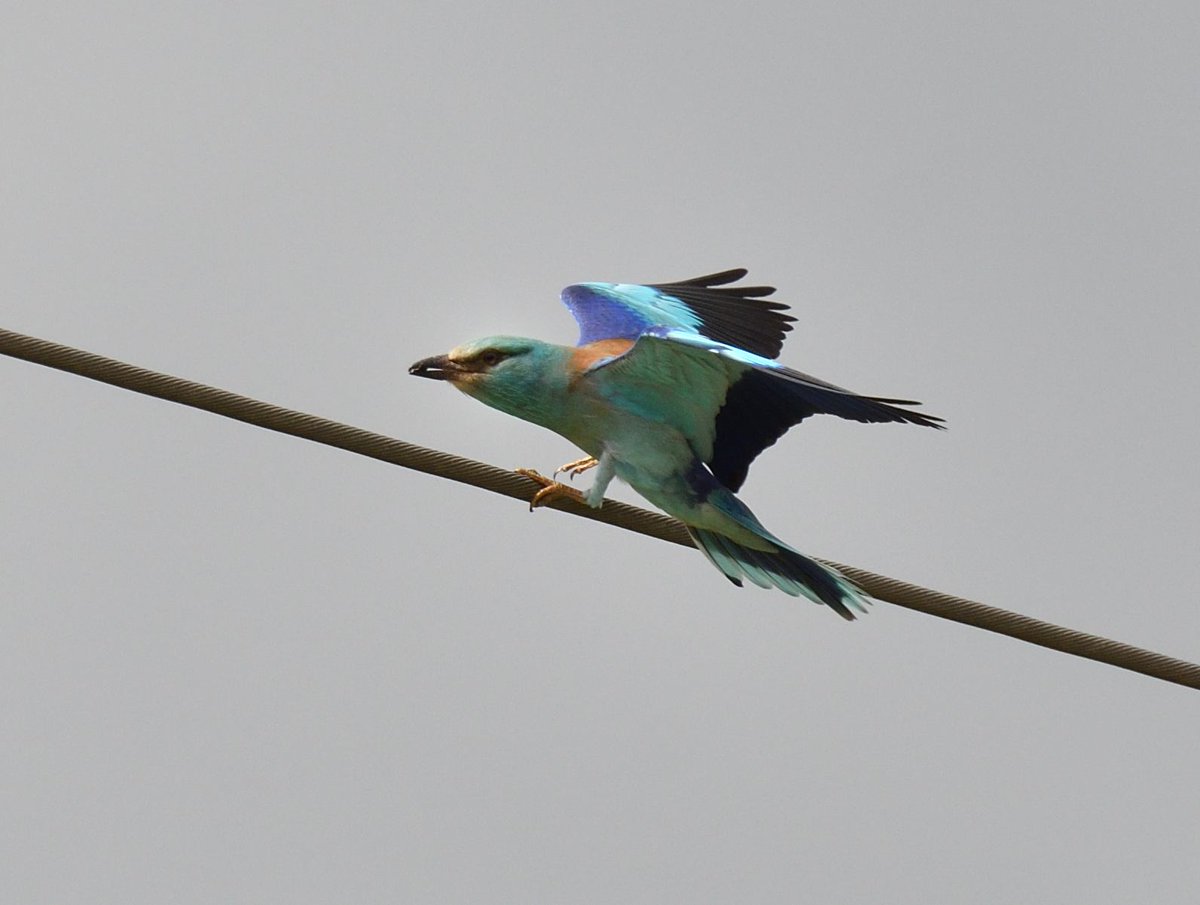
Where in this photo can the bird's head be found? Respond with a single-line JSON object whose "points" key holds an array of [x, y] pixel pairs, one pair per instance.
{"points": [[509, 373]]}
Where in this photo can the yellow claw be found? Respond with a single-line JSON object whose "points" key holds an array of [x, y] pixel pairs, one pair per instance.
{"points": [[551, 489], [578, 467]]}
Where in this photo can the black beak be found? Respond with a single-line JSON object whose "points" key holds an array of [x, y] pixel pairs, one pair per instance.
{"points": [[440, 367]]}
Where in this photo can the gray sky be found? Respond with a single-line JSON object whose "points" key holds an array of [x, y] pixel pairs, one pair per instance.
{"points": [[238, 667]]}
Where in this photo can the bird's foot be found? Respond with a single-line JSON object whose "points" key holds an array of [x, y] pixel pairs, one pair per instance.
{"points": [[578, 467], [551, 489]]}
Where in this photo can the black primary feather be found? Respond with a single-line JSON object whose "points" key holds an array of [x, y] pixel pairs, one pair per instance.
{"points": [[735, 315], [763, 405]]}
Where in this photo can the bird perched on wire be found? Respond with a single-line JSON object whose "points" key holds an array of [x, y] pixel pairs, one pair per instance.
{"points": [[673, 388]]}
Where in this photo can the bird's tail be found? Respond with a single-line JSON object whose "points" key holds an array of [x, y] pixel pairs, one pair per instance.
{"points": [[784, 568], [780, 567]]}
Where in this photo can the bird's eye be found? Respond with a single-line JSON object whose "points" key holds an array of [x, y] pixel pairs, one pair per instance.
{"points": [[491, 358]]}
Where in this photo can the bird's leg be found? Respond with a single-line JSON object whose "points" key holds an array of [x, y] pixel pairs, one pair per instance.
{"points": [[550, 490], [604, 475], [579, 466]]}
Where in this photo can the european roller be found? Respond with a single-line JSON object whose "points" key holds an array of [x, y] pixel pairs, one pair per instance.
{"points": [[673, 388]]}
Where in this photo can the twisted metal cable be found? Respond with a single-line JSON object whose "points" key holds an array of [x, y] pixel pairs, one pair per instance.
{"points": [[622, 515]]}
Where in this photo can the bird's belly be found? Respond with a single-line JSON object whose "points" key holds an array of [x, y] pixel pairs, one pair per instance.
{"points": [[659, 463], [643, 451], [654, 460], [652, 457]]}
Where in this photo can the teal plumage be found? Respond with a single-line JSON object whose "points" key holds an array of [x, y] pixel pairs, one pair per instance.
{"points": [[674, 390]]}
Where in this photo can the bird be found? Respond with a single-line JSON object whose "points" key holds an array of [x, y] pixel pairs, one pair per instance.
{"points": [[674, 388]]}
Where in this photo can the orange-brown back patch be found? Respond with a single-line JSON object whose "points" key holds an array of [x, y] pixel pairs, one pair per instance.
{"points": [[585, 356]]}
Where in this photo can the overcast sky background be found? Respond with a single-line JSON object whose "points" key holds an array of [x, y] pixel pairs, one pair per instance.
{"points": [[238, 667]]}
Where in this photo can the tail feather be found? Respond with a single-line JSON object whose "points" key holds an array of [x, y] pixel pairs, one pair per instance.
{"points": [[769, 562], [784, 568], [744, 562]]}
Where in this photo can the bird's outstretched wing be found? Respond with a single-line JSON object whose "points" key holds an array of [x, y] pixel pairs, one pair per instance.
{"points": [[736, 315], [731, 404]]}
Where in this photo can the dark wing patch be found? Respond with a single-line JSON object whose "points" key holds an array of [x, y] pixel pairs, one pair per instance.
{"points": [[758, 410], [736, 315], [763, 405]]}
